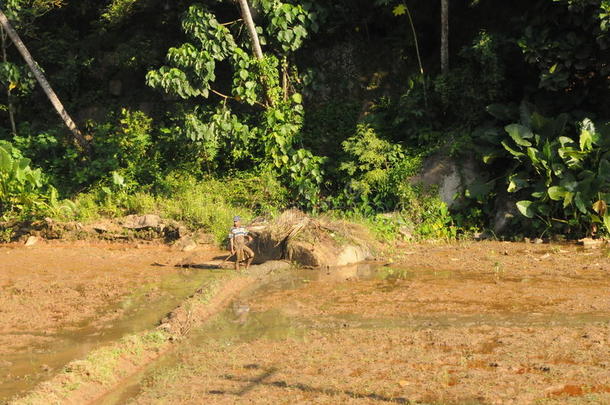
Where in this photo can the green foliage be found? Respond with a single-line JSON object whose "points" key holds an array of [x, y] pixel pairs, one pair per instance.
{"points": [[376, 171], [571, 55], [565, 180], [270, 140], [478, 80], [15, 77], [117, 10], [21, 187], [288, 22], [209, 204]]}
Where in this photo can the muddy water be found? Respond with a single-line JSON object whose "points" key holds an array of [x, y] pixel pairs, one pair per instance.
{"points": [[252, 318], [140, 310]]}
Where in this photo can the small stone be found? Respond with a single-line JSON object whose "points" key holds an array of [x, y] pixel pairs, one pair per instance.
{"points": [[538, 241], [31, 241], [100, 228]]}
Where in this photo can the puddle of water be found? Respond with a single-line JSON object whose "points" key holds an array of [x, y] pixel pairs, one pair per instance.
{"points": [[141, 310]]}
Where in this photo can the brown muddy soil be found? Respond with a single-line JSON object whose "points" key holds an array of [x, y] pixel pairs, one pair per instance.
{"points": [[471, 323], [60, 300]]}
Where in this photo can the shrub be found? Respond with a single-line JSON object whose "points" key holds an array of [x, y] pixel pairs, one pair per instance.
{"points": [[22, 189]]}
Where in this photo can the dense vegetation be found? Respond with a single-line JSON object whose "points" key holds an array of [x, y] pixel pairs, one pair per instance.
{"points": [[340, 110]]}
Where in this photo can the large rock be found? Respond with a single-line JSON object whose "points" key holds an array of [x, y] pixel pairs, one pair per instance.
{"points": [[142, 222], [450, 175]]}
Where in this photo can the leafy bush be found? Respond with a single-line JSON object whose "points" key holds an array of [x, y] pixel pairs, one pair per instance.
{"points": [[376, 172], [22, 189], [566, 179]]}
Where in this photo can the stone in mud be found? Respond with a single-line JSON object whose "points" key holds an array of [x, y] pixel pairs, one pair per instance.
{"points": [[590, 243], [31, 241], [100, 228], [142, 222]]}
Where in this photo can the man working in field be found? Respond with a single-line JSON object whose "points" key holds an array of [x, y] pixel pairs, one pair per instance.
{"points": [[238, 239]]}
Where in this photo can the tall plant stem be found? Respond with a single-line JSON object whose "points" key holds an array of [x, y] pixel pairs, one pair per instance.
{"points": [[421, 65]]}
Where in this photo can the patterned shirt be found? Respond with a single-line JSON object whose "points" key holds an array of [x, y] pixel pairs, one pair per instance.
{"points": [[238, 231]]}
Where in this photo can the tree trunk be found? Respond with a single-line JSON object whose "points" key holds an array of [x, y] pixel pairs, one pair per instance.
{"points": [[444, 36], [46, 87], [247, 17], [9, 98], [256, 45]]}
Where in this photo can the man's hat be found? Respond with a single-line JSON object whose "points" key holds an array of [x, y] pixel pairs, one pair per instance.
{"points": [[236, 218]]}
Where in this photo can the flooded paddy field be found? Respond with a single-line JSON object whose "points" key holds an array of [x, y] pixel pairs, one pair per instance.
{"points": [[489, 323], [467, 323], [60, 301]]}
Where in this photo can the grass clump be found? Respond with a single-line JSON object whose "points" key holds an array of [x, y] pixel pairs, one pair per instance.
{"points": [[209, 204]]}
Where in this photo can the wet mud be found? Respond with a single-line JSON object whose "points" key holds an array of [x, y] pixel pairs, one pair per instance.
{"points": [[60, 302], [468, 323], [503, 324]]}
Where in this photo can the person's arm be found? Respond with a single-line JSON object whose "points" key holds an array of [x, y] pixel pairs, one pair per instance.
{"points": [[231, 244]]}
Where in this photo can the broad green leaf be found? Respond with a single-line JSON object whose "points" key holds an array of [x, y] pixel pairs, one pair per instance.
{"points": [[6, 162], [297, 98], [526, 209], [511, 150], [580, 204], [586, 140], [567, 200], [558, 169], [519, 133], [502, 112], [533, 155], [564, 140], [557, 193]]}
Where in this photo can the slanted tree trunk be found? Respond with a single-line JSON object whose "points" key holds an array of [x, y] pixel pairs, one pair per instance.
{"points": [[246, 15], [46, 87], [444, 36], [9, 98]]}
